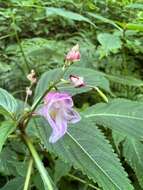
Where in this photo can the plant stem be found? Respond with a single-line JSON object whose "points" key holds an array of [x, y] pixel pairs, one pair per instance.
{"points": [[103, 96], [43, 172], [28, 175], [82, 181], [50, 87], [20, 46]]}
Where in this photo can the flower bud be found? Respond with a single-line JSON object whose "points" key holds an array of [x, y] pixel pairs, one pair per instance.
{"points": [[74, 54], [32, 77], [77, 81]]}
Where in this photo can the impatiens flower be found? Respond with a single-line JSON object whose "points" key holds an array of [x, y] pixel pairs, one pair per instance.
{"points": [[58, 111], [77, 81], [74, 54]]}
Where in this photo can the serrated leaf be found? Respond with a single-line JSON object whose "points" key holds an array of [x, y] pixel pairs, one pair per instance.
{"points": [[7, 102], [91, 77], [121, 115], [85, 147], [6, 128], [133, 152], [52, 11]]}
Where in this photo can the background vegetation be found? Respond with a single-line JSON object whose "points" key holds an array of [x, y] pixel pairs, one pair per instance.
{"points": [[37, 34]]}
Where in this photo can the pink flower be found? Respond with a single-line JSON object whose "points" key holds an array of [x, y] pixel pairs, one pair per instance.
{"points": [[74, 54], [58, 111], [77, 81]]}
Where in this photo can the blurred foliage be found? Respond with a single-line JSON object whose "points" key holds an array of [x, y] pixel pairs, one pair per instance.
{"points": [[36, 34]]}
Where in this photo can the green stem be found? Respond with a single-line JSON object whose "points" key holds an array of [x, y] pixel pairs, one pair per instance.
{"points": [[6, 36], [82, 181], [20, 46], [43, 172], [103, 96], [28, 175], [50, 87]]}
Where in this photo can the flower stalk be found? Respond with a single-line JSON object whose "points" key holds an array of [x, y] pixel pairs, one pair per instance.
{"points": [[102, 95], [43, 172]]}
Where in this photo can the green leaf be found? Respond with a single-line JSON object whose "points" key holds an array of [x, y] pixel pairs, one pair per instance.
{"points": [[118, 138], [6, 128], [123, 116], [103, 19], [7, 102], [125, 80], [109, 42], [38, 182], [52, 11], [133, 152], [85, 147], [7, 157], [61, 169], [91, 77], [135, 6], [45, 81], [14, 184], [134, 26]]}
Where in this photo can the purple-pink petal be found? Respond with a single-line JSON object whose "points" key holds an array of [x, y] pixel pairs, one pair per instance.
{"points": [[59, 127], [58, 111]]}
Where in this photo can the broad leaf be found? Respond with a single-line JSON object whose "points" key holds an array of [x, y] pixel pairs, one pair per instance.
{"points": [[109, 42], [85, 147], [6, 128], [91, 77], [7, 102], [38, 183], [125, 80], [46, 79], [7, 157], [61, 169], [52, 11], [123, 116], [133, 152], [104, 20], [14, 184]]}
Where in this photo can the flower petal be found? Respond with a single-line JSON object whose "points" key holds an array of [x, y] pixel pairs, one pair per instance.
{"points": [[53, 97], [72, 116], [59, 126]]}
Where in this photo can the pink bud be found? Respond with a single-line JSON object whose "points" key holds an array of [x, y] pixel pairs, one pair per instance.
{"points": [[74, 54], [77, 81]]}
